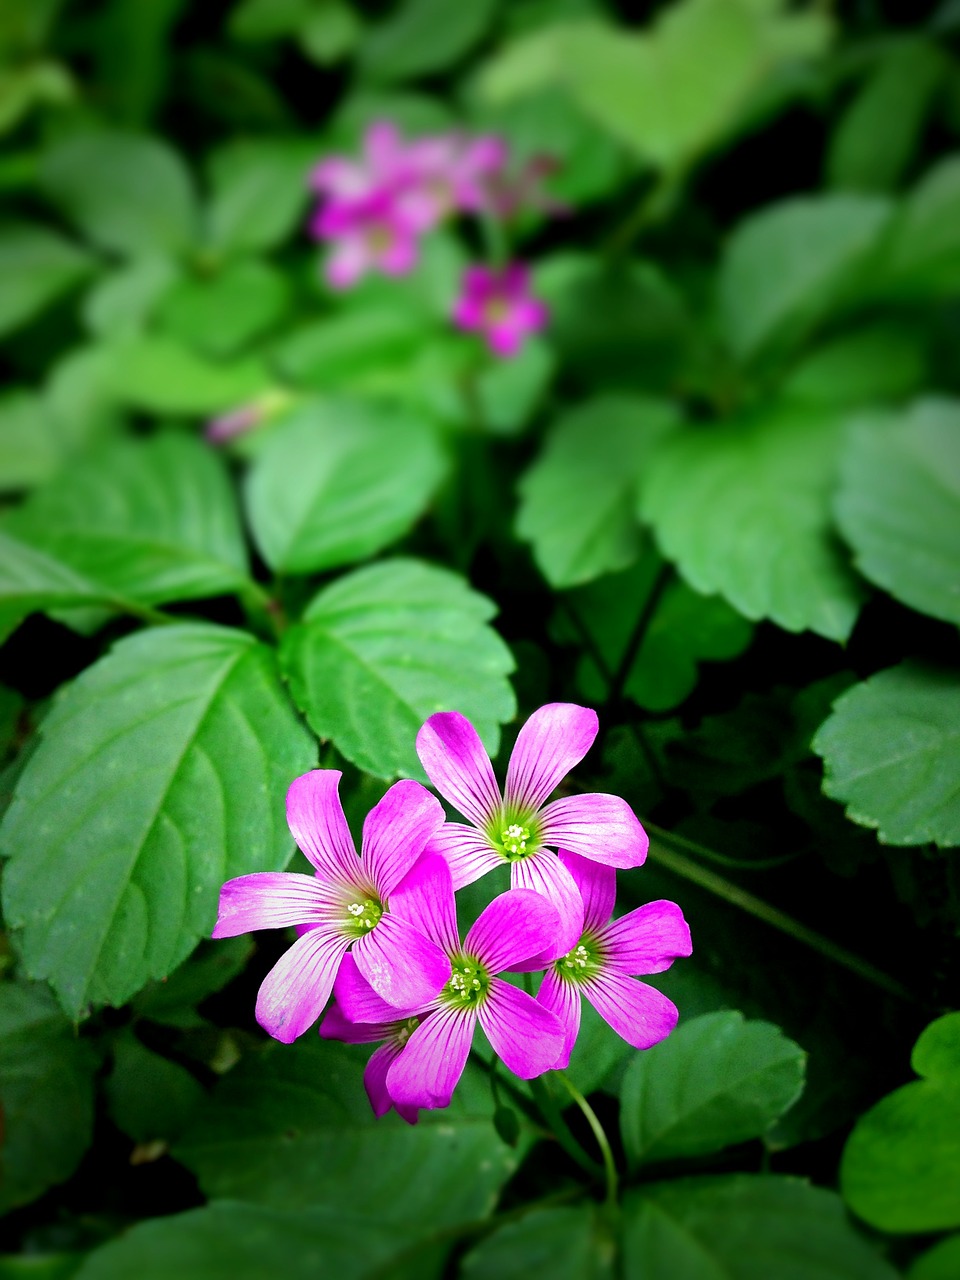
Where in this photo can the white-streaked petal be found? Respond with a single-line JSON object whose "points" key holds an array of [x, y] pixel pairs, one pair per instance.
{"points": [[553, 740], [456, 763]]}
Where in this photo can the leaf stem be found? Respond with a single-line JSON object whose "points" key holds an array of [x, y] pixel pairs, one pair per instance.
{"points": [[561, 1130], [609, 1164]]}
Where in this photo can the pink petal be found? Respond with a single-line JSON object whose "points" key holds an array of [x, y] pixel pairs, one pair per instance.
{"points": [[597, 884], [400, 256], [269, 900], [337, 1026], [515, 926], [456, 763], [639, 1014], [468, 314], [357, 1000], [395, 832], [526, 1035], [348, 261], [432, 1061], [647, 940], [375, 1083], [401, 965], [466, 851], [600, 827], [553, 740], [425, 899], [505, 338], [545, 874], [293, 994], [315, 816], [563, 1001]]}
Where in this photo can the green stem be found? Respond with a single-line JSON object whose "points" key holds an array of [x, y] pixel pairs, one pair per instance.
{"points": [[561, 1130], [628, 657], [654, 205], [721, 859], [599, 1133]]}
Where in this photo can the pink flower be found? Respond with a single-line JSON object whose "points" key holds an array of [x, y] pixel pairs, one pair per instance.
{"points": [[604, 964], [367, 234], [499, 305], [344, 902], [452, 173], [427, 1046], [520, 829]]}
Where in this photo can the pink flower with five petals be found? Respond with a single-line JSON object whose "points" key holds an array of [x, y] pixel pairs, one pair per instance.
{"points": [[499, 305]]}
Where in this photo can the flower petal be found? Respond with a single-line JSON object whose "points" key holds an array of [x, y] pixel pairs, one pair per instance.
{"points": [[269, 900], [563, 1001], [395, 831], [553, 740], [600, 827], [424, 898], [401, 965], [647, 940], [466, 851], [456, 763], [641, 1015], [337, 1026], [515, 926], [375, 1083], [315, 816], [525, 1034], [545, 874], [293, 994], [597, 884], [432, 1061], [359, 1003]]}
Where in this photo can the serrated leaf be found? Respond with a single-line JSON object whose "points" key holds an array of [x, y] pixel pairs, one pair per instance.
{"points": [[338, 481], [294, 1128], [221, 314], [421, 37], [383, 648], [160, 375], [125, 192], [901, 1166], [150, 521], [793, 264], [898, 504], [874, 363], [149, 1096], [578, 498], [891, 752], [716, 1081], [249, 1242], [743, 509], [259, 192], [161, 773], [46, 1086], [123, 301], [743, 1227], [922, 258], [568, 1243], [37, 266]]}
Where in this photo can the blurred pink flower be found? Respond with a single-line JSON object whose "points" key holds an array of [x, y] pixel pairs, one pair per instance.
{"points": [[499, 305]]}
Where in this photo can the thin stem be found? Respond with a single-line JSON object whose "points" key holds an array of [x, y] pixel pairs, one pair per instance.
{"points": [[561, 1130], [599, 1133], [628, 657], [721, 859], [653, 206]]}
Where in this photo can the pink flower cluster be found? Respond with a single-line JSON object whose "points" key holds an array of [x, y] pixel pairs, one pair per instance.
{"points": [[380, 933], [373, 212]]}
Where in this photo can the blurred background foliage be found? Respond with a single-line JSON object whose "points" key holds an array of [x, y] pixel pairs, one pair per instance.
{"points": [[718, 498]]}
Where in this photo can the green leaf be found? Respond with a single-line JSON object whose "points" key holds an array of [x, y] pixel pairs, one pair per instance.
{"points": [[236, 1241], [668, 94], [877, 362], [684, 629], [742, 509], [354, 350], [125, 192], [159, 375], [37, 267], [161, 773], [151, 521], [124, 301], [714, 1082], [922, 257], [877, 135], [173, 1000], [46, 1082], [293, 1128], [219, 315], [568, 1243], [891, 751], [898, 504], [578, 499], [793, 264], [259, 192], [338, 481], [508, 393], [942, 1262], [901, 1166], [743, 1227], [149, 1096], [423, 36], [330, 32], [29, 445], [254, 21], [386, 646], [32, 85]]}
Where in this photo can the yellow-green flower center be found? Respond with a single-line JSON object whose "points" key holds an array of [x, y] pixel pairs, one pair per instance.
{"points": [[583, 962], [514, 835], [362, 915], [468, 984]]}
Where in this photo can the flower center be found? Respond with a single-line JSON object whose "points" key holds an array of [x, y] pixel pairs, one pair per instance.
{"points": [[363, 914], [496, 309], [583, 962], [514, 840], [514, 835], [468, 985]]}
